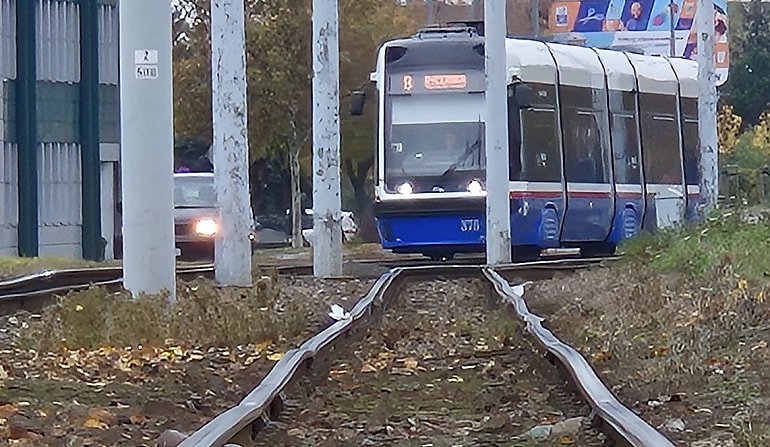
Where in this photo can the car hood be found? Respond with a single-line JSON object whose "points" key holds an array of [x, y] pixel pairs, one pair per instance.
{"points": [[185, 214]]}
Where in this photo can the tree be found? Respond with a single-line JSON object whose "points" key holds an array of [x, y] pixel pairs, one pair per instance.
{"points": [[278, 39], [748, 88], [364, 25]]}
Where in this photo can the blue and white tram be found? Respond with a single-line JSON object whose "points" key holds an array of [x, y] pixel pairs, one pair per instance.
{"points": [[603, 144]]}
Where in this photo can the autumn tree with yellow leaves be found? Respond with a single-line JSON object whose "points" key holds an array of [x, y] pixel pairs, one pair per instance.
{"points": [[729, 124]]}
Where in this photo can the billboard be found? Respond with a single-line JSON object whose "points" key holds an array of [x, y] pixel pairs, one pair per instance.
{"points": [[645, 26]]}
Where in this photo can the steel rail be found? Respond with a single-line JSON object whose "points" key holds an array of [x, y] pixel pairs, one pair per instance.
{"points": [[64, 280], [267, 397], [237, 425], [619, 422]]}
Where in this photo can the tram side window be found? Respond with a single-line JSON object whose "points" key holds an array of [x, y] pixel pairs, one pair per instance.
{"points": [[691, 142], [625, 144], [585, 149], [625, 137], [660, 139], [691, 145], [540, 158], [514, 135]]}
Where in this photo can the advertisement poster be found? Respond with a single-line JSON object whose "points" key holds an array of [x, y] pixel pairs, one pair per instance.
{"points": [[640, 25]]}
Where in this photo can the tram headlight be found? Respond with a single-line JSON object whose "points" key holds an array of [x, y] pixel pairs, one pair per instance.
{"points": [[405, 188], [206, 227], [475, 187]]}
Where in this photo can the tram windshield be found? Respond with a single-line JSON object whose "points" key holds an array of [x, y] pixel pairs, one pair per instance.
{"points": [[435, 149]]}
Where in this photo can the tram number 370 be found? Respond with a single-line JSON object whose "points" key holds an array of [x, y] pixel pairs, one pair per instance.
{"points": [[470, 225]]}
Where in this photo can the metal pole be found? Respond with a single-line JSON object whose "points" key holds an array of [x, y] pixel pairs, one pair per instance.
{"points": [[498, 202], [672, 35], [232, 258], [430, 7], [707, 104], [26, 129], [147, 141], [90, 161], [327, 215]]}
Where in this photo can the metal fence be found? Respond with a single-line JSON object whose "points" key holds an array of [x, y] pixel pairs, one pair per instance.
{"points": [[744, 187]]}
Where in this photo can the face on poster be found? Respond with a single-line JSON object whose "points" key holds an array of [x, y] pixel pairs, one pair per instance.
{"points": [[643, 25]]}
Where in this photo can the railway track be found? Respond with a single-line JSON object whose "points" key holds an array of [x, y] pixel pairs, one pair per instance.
{"points": [[299, 390], [31, 292]]}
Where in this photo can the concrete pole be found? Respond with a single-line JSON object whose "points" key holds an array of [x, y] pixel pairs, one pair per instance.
{"points": [[430, 7], [327, 207], [707, 105], [671, 31], [147, 147], [498, 201], [535, 17], [232, 253]]}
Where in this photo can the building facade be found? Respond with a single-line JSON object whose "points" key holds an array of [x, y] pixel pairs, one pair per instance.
{"points": [[59, 127]]}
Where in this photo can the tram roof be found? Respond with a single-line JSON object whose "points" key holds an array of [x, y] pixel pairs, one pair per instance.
{"points": [[655, 74], [534, 60], [620, 72], [687, 71]]}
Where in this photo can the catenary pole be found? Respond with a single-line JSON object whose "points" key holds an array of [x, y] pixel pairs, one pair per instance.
{"points": [[498, 202], [147, 147], [707, 104], [232, 253], [327, 231]]}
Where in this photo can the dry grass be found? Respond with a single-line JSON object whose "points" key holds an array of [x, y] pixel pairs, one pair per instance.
{"points": [[687, 313], [204, 315], [13, 266]]}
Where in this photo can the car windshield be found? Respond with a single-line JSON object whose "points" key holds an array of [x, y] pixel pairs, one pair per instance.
{"points": [[435, 149], [194, 192]]}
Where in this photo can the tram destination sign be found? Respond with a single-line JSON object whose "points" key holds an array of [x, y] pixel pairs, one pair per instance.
{"points": [[409, 83]]}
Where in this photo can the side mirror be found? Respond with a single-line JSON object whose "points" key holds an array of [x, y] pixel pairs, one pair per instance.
{"points": [[523, 95], [357, 101]]}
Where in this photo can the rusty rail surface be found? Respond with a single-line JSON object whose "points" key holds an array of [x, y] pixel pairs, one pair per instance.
{"points": [[618, 421], [242, 422], [43, 285]]}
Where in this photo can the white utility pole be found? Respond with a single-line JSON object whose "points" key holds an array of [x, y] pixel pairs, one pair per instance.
{"points": [[232, 253], [327, 206], [498, 196], [430, 7], [707, 105], [147, 147]]}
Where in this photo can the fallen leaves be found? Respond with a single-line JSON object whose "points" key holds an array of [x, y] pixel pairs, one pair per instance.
{"points": [[601, 356], [8, 410], [99, 419], [137, 419], [95, 423]]}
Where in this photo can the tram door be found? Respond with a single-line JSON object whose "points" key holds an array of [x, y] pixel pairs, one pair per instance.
{"points": [[627, 161], [662, 155], [587, 158]]}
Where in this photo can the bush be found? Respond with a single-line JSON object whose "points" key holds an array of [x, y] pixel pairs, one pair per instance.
{"points": [[738, 239]]}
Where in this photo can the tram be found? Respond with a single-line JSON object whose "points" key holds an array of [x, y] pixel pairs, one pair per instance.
{"points": [[603, 144]]}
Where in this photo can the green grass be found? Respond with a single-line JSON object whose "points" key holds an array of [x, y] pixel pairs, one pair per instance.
{"points": [[722, 240]]}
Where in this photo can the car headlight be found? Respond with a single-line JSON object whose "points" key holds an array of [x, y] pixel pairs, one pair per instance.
{"points": [[206, 227], [405, 188], [475, 187]]}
